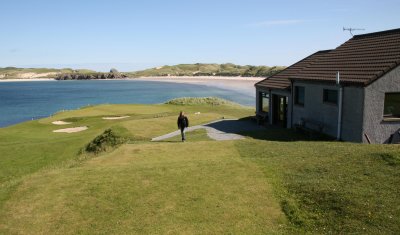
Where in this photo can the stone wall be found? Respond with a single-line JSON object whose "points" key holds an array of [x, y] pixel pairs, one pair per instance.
{"points": [[318, 111], [378, 129]]}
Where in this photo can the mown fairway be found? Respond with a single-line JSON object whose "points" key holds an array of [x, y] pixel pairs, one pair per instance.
{"points": [[274, 181]]}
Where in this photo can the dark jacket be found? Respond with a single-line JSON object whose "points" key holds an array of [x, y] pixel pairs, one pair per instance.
{"points": [[183, 122]]}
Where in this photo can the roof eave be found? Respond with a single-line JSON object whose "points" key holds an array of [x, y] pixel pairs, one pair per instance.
{"points": [[345, 83], [383, 73]]}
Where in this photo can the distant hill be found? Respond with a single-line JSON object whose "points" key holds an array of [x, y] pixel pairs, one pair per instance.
{"points": [[28, 73], [175, 70], [209, 70]]}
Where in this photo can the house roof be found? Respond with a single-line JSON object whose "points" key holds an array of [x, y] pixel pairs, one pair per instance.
{"points": [[281, 79], [360, 61]]}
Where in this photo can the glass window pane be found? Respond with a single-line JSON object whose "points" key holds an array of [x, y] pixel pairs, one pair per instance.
{"points": [[264, 98], [392, 105], [330, 96], [265, 106], [299, 95]]}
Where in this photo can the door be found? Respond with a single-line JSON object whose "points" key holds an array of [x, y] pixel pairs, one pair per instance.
{"points": [[280, 104]]}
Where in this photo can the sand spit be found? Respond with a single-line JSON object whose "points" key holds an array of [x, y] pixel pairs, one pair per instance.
{"points": [[115, 118], [202, 78], [61, 123], [244, 85], [71, 130]]}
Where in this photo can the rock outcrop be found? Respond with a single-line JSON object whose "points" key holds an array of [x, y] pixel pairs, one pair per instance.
{"points": [[78, 76]]}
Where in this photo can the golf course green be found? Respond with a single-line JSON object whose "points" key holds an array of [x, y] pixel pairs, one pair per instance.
{"points": [[112, 179]]}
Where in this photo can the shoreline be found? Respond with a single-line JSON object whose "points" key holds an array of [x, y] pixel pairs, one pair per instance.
{"points": [[243, 85], [202, 78], [155, 78], [27, 80]]}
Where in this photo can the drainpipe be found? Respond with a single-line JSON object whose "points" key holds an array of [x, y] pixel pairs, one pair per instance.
{"points": [[340, 101], [291, 103], [270, 107], [257, 100]]}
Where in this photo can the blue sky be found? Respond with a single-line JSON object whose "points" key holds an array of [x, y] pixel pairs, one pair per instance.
{"points": [[131, 35]]}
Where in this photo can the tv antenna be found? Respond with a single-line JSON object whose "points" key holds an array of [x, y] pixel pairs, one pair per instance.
{"points": [[351, 30]]}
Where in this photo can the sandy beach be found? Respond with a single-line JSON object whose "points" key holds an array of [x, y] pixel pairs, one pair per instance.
{"points": [[243, 85], [28, 80]]}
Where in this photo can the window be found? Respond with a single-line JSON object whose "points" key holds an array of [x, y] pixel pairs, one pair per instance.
{"points": [[392, 105], [264, 102], [330, 96], [299, 95]]}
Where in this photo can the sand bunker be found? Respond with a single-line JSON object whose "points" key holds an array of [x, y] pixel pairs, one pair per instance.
{"points": [[71, 130], [115, 118], [60, 123]]}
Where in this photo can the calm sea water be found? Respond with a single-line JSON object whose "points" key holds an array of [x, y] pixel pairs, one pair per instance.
{"points": [[22, 101]]}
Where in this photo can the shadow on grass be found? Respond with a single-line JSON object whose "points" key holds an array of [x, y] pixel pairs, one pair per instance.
{"points": [[284, 135], [249, 128], [169, 141]]}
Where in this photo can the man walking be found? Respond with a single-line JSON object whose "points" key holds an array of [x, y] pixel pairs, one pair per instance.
{"points": [[183, 122]]}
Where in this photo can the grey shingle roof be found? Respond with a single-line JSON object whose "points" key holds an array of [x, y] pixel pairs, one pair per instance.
{"points": [[360, 61], [281, 79]]}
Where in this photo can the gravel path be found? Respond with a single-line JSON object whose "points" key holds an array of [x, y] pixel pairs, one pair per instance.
{"points": [[226, 129]]}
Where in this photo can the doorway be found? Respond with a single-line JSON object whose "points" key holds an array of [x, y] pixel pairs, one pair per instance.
{"points": [[279, 110]]}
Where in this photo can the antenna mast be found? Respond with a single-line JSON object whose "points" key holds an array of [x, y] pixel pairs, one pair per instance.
{"points": [[351, 30]]}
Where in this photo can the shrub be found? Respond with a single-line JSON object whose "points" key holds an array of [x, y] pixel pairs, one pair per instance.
{"points": [[200, 100], [108, 139]]}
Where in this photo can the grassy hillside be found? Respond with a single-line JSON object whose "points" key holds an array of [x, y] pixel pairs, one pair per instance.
{"points": [[209, 70], [19, 73], [273, 182], [176, 70]]}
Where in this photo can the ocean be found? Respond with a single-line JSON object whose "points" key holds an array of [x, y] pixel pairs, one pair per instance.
{"points": [[23, 101]]}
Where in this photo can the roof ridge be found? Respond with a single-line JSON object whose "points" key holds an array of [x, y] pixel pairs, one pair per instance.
{"points": [[324, 51], [385, 32]]}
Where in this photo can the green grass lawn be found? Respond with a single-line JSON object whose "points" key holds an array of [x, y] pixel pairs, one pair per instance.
{"points": [[332, 187], [149, 188], [273, 182]]}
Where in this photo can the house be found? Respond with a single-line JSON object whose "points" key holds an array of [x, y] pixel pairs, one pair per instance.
{"points": [[351, 93]]}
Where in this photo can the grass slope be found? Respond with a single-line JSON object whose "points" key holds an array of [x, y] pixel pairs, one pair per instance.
{"points": [[273, 182], [332, 187], [30, 146], [149, 188]]}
